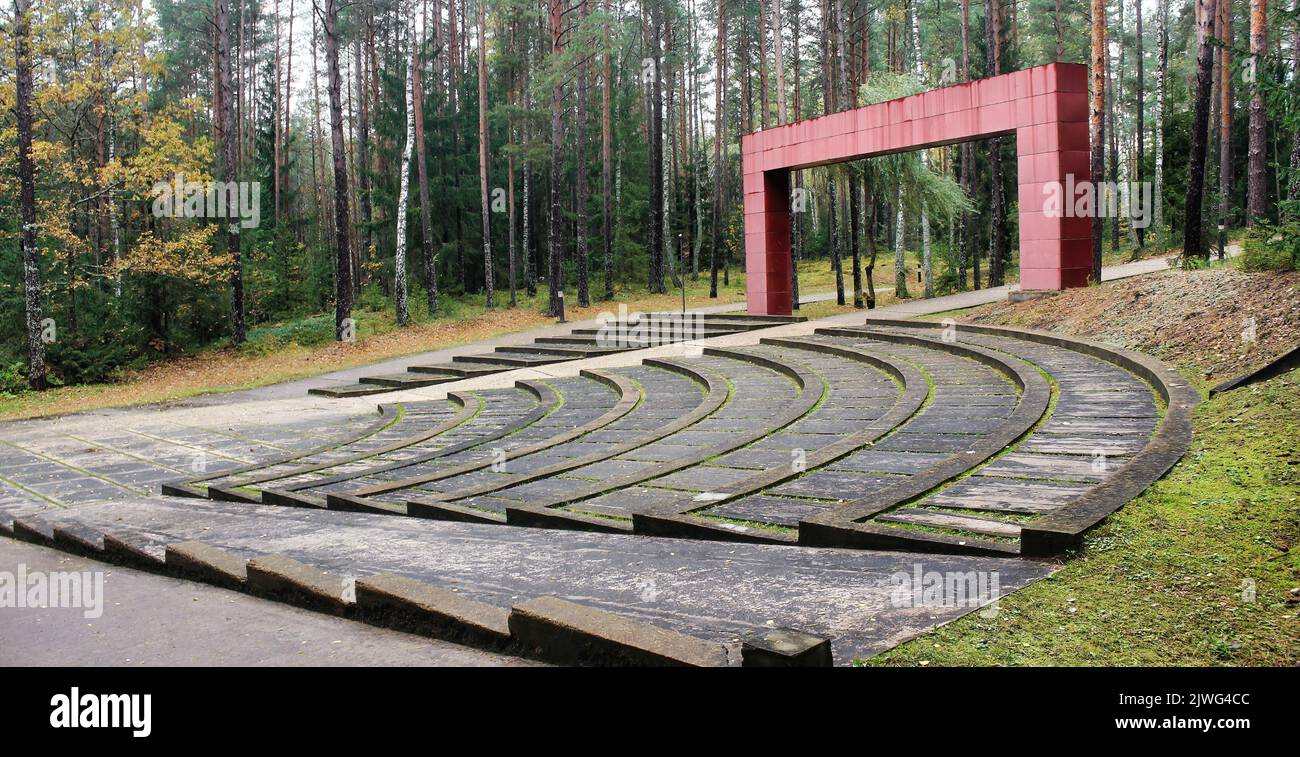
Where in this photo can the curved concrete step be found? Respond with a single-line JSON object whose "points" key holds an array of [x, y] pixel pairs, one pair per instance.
{"points": [[395, 423], [768, 395], [1106, 416], [503, 423], [673, 396]]}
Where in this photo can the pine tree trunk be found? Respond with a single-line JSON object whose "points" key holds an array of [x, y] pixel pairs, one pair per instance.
{"points": [[796, 217], [1293, 192], [1097, 129], [764, 107], [230, 153], [580, 162], [36, 377], [846, 101], [997, 194], [1141, 114], [656, 128], [606, 162], [1256, 169], [965, 227], [1225, 123], [489, 277], [1193, 238], [1162, 71], [832, 203], [428, 257], [926, 251], [719, 129], [363, 164], [342, 262], [555, 19], [513, 141]]}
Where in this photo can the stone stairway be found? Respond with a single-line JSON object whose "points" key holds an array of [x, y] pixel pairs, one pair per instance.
{"points": [[616, 336]]}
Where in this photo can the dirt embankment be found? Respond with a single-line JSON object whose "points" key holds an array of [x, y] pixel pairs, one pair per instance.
{"points": [[1220, 323]]}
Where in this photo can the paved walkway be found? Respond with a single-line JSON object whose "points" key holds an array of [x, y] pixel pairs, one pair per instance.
{"points": [[155, 620]]}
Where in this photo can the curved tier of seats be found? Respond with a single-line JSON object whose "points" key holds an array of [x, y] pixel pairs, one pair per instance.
{"points": [[672, 396], [397, 424], [506, 423]]}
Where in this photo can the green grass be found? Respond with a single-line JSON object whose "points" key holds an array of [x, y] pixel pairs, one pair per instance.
{"points": [[1166, 580]]}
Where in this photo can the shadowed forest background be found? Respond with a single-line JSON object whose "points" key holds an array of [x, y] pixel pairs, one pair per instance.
{"points": [[418, 160]]}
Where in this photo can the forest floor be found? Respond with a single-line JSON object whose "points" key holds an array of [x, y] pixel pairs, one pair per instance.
{"points": [[1204, 567]]}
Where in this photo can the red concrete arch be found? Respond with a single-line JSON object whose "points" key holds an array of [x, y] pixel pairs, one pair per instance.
{"points": [[1046, 108]]}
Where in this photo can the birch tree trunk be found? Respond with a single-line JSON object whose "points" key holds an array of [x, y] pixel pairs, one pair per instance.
{"points": [[404, 187]]}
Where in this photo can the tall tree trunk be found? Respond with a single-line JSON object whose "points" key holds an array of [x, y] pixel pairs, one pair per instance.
{"points": [[36, 377], [288, 105], [580, 163], [489, 278], [1225, 123], [1193, 239], [1059, 27], [655, 123], [1097, 129], [428, 257], [606, 158], [404, 186], [230, 153], [764, 106], [796, 217], [362, 163], [1293, 192], [1162, 70], [555, 21], [276, 91], [1255, 169], [998, 250], [342, 262], [965, 227], [719, 129], [1141, 115], [512, 142], [832, 202], [848, 100], [779, 60], [926, 251], [1112, 134], [530, 239]]}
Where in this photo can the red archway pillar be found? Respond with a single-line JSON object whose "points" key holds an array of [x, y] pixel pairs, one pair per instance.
{"points": [[1045, 107]]}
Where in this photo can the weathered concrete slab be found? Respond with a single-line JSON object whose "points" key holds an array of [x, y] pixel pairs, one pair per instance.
{"points": [[712, 590], [575, 634]]}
